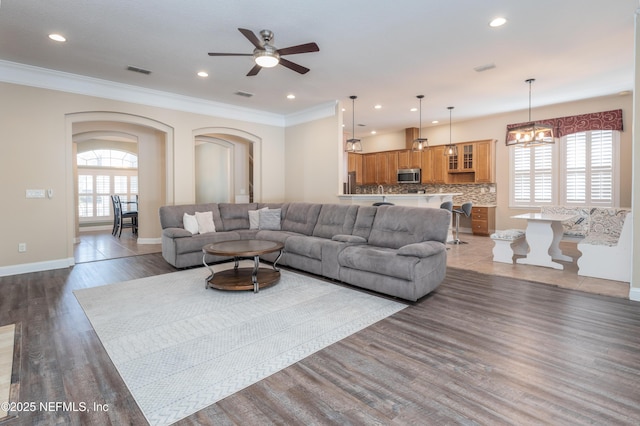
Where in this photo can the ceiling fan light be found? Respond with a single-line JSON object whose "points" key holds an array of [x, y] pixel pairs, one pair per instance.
{"points": [[266, 59]]}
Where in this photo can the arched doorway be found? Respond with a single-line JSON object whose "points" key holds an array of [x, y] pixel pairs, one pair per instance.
{"points": [[155, 168], [224, 165]]}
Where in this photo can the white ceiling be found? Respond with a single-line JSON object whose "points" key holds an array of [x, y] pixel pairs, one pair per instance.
{"points": [[385, 52]]}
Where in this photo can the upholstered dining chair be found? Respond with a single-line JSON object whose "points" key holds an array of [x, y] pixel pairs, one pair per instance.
{"points": [[465, 209]]}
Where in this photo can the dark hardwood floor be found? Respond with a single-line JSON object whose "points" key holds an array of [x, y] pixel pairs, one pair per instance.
{"points": [[481, 350]]}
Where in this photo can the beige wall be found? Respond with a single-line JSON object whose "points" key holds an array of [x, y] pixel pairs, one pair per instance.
{"points": [[35, 139], [494, 127], [312, 160]]}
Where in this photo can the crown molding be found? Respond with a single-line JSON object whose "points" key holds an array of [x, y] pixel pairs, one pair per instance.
{"points": [[27, 75], [310, 114]]}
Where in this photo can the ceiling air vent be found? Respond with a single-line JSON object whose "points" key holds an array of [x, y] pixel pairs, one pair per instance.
{"points": [[140, 70], [245, 94]]}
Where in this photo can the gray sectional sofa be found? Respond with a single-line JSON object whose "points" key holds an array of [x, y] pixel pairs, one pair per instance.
{"points": [[398, 251]]}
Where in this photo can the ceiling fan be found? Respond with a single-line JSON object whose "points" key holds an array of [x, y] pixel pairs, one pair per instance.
{"points": [[266, 55]]}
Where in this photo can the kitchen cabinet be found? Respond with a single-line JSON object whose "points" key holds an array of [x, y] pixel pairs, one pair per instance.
{"points": [[434, 165], [483, 220], [386, 168], [485, 161], [409, 159], [463, 161], [354, 164], [369, 169]]}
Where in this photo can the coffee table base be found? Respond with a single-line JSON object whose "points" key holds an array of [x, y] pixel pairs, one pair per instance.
{"points": [[241, 279]]}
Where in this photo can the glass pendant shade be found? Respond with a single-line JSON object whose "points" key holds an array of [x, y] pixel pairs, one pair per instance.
{"points": [[530, 133], [420, 144], [353, 144]]}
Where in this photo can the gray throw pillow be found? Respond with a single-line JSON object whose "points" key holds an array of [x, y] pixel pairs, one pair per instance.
{"points": [[270, 219]]}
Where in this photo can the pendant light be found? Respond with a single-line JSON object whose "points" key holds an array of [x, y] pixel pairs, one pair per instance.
{"points": [[451, 149], [421, 143], [353, 144], [530, 133]]}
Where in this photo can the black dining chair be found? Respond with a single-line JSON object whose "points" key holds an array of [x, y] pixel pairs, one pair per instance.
{"points": [[465, 209], [122, 219]]}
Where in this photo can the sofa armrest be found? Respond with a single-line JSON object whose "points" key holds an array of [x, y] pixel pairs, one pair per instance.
{"points": [[424, 249], [176, 233], [353, 239]]}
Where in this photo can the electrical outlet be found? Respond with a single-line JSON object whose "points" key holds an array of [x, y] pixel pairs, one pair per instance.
{"points": [[22, 247]]}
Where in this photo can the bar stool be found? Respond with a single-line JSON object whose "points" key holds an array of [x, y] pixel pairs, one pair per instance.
{"points": [[465, 209], [447, 205]]}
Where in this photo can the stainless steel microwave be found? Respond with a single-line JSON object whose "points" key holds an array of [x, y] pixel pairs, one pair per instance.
{"points": [[408, 175]]}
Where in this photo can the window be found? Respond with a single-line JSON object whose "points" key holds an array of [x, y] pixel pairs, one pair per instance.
{"points": [[102, 173], [585, 174], [533, 175], [589, 174]]}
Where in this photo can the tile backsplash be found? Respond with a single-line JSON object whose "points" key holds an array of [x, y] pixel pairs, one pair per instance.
{"points": [[481, 194]]}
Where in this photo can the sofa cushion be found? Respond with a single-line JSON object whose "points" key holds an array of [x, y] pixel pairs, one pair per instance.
{"points": [[353, 239], [577, 226], [235, 216], [176, 233], [396, 226], [195, 243], [335, 219], [305, 246], [424, 249], [301, 218], [254, 218], [378, 260], [364, 221]]}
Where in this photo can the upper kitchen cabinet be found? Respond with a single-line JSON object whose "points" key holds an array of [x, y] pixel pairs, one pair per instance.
{"points": [[369, 169], [433, 165], [474, 163], [386, 168], [354, 164], [485, 161], [409, 159]]}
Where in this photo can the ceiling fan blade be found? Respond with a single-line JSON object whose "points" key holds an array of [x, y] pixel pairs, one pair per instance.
{"points": [[230, 54], [251, 37], [255, 70], [292, 66], [301, 48]]}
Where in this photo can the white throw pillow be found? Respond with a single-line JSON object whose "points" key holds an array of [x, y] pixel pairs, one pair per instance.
{"points": [[205, 222], [254, 218], [190, 223]]}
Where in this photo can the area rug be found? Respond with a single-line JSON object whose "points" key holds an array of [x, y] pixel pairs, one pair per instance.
{"points": [[180, 347]]}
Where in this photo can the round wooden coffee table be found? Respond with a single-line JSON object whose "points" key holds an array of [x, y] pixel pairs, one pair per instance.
{"points": [[243, 278]]}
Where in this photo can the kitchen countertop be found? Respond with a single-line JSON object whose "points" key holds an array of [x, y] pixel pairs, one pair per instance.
{"points": [[391, 195]]}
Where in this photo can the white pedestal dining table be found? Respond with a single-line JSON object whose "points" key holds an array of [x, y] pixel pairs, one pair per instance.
{"points": [[544, 232]]}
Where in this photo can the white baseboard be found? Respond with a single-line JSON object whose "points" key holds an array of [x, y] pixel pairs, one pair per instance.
{"points": [[634, 294], [25, 268], [149, 240]]}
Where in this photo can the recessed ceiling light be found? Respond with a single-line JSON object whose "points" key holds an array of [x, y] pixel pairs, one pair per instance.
{"points": [[373, 132], [203, 74], [291, 96], [413, 109], [57, 37], [497, 22], [378, 106], [435, 122]]}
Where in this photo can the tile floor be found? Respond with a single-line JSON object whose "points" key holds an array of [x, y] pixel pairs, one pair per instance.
{"points": [[476, 255]]}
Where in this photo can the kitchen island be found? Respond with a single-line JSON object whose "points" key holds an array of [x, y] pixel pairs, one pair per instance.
{"points": [[433, 199]]}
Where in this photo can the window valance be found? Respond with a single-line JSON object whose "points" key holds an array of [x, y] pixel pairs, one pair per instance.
{"points": [[606, 120]]}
